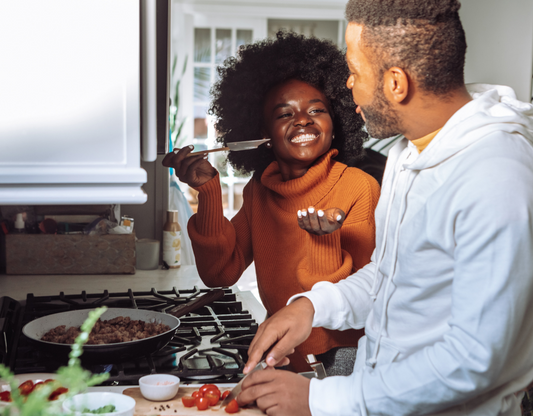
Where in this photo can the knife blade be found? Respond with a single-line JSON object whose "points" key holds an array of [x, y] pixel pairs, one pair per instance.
{"points": [[237, 389]]}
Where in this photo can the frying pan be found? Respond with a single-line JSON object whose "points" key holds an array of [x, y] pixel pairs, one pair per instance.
{"points": [[120, 351]]}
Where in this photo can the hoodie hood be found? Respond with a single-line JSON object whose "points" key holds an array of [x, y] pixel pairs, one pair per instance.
{"points": [[493, 108]]}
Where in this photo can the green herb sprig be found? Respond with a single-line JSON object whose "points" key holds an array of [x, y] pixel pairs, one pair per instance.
{"points": [[73, 376]]}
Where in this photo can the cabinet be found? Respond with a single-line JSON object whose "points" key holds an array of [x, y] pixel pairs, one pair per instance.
{"points": [[70, 102]]}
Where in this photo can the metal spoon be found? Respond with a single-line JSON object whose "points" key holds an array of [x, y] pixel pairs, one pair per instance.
{"points": [[234, 147]]}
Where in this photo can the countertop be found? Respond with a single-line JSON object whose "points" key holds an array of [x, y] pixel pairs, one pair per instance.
{"points": [[186, 277]]}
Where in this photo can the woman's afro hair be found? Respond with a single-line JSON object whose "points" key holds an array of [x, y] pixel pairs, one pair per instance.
{"points": [[244, 80]]}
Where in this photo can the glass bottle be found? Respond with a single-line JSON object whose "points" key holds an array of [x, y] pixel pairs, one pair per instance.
{"points": [[172, 241], [19, 224]]}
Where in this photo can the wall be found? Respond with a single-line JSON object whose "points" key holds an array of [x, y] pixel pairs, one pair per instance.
{"points": [[150, 216], [499, 35]]}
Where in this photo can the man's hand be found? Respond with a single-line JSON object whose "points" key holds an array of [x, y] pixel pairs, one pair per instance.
{"points": [[193, 170], [287, 328], [276, 392], [322, 221]]}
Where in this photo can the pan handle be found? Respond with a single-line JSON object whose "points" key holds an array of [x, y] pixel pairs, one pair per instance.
{"points": [[197, 303]]}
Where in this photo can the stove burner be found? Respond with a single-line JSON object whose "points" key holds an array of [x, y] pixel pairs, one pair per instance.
{"points": [[211, 342]]}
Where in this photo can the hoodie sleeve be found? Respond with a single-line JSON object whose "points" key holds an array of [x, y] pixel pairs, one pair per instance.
{"points": [[488, 347], [222, 248], [343, 305]]}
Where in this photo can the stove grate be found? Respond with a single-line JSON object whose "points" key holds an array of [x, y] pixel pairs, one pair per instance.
{"points": [[210, 343]]}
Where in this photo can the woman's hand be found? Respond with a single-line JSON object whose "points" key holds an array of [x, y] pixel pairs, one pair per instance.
{"points": [[322, 221], [192, 170]]}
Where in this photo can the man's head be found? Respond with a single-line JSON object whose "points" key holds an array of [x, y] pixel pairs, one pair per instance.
{"points": [[390, 41], [424, 38]]}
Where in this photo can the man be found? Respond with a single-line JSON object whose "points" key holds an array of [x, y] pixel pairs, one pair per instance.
{"points": [[447, 298]]}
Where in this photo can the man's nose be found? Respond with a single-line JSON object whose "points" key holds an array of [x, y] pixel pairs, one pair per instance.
{"points": [[349, 82]]}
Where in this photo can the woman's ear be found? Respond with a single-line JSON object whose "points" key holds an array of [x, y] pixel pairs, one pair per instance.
{"points": [[396, 84], [265, 135]]}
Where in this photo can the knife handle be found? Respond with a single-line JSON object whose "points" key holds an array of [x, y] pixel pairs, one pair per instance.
{"points": [[197, 303], [201, 152]]}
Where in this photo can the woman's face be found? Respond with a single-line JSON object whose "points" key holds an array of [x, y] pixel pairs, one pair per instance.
{"points": [[298, 120]]}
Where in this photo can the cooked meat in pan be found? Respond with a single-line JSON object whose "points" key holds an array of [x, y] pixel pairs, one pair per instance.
{"points": [[119, 329]]}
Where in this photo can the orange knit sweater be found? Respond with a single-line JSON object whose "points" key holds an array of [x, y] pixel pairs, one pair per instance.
{"points": [[288, 260]]}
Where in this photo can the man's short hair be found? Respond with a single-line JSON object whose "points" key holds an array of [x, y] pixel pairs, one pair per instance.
{"points": [[424, 38]]}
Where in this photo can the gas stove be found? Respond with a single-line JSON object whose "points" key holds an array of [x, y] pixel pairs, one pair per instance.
{"points": [[210, 344]]}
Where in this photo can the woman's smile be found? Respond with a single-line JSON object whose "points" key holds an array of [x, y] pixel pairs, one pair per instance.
{"points": [[304, 138]]}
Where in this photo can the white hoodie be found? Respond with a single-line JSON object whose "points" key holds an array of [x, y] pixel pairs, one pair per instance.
{"points": [[447, 299]]}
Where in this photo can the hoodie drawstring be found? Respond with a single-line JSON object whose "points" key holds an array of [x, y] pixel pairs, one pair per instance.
{"points": [[373, 360], [374, 289], [373, 292]]}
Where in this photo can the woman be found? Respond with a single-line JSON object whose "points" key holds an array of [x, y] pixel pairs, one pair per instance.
{"points": [[306, 217]]}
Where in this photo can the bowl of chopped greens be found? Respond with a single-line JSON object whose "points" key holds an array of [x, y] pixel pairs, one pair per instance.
{"points": [[99, 403]]}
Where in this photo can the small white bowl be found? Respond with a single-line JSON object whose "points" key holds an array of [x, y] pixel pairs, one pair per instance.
{"points": [[125, 405], [159, 387]]}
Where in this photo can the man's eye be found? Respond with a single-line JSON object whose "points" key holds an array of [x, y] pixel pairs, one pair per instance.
{"points": [[318, 110], [284, 115]]}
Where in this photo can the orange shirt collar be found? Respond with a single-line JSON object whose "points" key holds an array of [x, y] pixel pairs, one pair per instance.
{"points": [[423, 142]]}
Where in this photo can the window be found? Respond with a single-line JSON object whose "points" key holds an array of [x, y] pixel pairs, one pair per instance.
{"points": [[211, 47], [322, 29]]}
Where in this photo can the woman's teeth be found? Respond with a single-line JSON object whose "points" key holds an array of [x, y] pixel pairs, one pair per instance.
{"points": [[302, 138]]}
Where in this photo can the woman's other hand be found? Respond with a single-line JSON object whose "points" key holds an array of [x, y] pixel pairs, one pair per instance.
{"points": [[322, 221], [192, 170]]}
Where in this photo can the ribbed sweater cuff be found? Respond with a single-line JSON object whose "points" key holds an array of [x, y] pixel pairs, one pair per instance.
{"points": [[210, 215]]}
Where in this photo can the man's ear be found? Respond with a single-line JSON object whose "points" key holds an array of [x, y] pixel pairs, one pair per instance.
{"points": [[396, 84]]}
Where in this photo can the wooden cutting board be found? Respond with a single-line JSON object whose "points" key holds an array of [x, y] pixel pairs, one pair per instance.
{"points": [[144, 407]]}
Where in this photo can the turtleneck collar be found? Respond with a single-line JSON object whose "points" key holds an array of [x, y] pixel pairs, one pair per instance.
{"points": [[309, 189]]}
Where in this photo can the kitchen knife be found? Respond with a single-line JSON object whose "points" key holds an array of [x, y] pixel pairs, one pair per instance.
{"points": [[237, 389], [197, 303], [234, 147]]}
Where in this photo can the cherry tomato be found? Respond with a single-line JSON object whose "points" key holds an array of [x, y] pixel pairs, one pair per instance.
{"points": [[26, 388], [214, 391], [225, 394], [232, 407], [207, 387], [57, 392], [188, 401], [48, 380], [197, 393], [5, 396], [37, 385], [202, 403], [211, 398]]}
